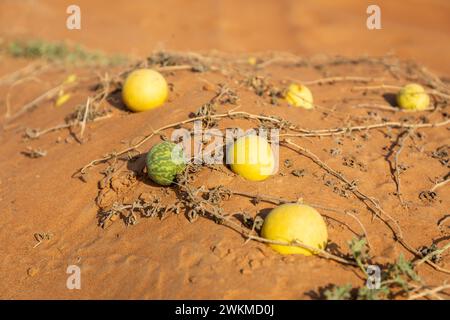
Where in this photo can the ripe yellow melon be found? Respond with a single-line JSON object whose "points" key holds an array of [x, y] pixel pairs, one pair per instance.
{"points": [[144, 89], [413, 97], [251, 157], [299, 96], [293, 221]]}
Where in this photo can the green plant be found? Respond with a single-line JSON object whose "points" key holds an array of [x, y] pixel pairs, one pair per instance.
{"points": [[60, 52], [400, 274], [360, 252], [338, 292], [400, 278]]}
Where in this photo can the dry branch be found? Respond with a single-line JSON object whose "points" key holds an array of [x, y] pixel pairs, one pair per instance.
{"points": [[332, 80], [441, 183], [392, 87], [429, 292]]}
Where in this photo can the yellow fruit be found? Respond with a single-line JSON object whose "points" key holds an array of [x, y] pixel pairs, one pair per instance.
{"points": [[62, 98], [251, 157], [144, 89], [294, 221], [70, 79], [413, 97], [252, 61], [299, 96]]}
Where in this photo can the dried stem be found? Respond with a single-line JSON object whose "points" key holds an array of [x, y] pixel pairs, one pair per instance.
{"points": [[429, 292], [431, 254], [392, 87], [344, 130], [440, 183], [174, 68], [30, 69], [332, 80], [34, 134], [83, 123], [402, 138], [443, 220], [46, 95], [384, 107]]}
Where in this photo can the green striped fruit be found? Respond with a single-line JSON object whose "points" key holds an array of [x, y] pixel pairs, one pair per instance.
{"points": [[164, 161]]}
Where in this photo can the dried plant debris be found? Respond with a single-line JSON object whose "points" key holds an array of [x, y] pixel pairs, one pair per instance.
{"points": [[41, 237], [203, 202], [443, 155], [263, 88], [224, 95], [259, 84], [206, 111], [274, 122], [146, 206], [432, 250], [80, 115], [352, 162], [300, 173], [429, 196], [196, 63], [34, 152], [253, 223], [288, 163], [192, 200], [442, 221], [338, 187], [334, 152]]}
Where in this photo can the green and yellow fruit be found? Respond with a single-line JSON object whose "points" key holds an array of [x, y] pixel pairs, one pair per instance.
{"points": [[299, 96], [251, 157], [144, 89], [413, 97], [164, 161], [293, 221]]}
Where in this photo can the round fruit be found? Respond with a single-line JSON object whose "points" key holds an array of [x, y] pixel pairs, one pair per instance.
{"points": [[413, 97], [299, 96], [251, 157], [293, 221], [164, 161], [144, 89]]}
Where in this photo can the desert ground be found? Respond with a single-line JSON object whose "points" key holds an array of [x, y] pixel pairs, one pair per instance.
{"points": [[384, 180]]}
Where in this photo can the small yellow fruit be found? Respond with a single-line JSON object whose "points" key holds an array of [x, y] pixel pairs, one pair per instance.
{"points": [[62, 98], [293, 221], [251, 157], [144, 89], [299, 96], [413, 97], [252, 61], [70, 79]]}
